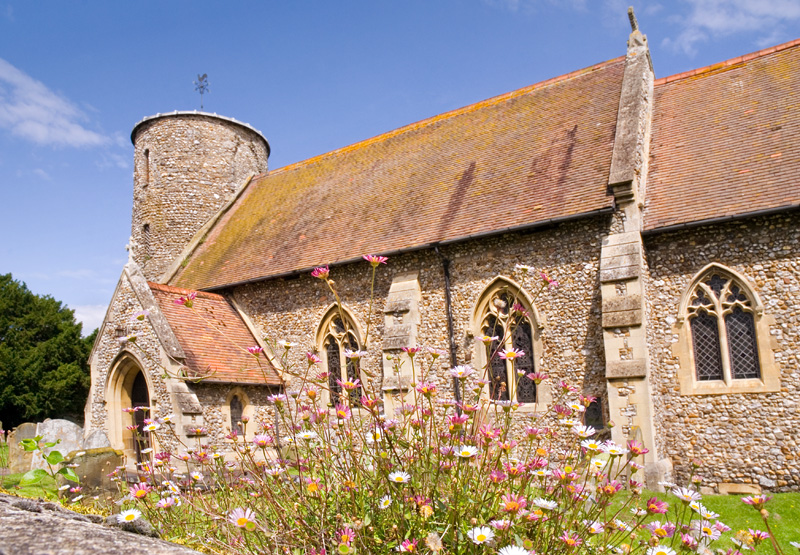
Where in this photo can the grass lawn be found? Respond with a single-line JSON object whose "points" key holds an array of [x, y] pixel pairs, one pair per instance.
{"points": [[784, 510], [784, 519]]}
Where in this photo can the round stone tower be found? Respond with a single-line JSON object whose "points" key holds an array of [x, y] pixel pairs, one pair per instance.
{"points": [[187, 165]]}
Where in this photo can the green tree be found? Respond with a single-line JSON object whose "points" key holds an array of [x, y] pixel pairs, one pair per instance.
{"points": [[44, 370]]}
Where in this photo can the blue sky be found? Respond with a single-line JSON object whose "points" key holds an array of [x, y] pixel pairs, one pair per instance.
{"points": [[312, 76]]}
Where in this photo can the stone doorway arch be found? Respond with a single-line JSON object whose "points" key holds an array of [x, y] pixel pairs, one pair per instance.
{"points": [[128, 387]]}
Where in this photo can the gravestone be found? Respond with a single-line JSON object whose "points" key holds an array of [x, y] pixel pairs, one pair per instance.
{"points": [[19, 460], [70, 434], [93, 467], [96, 440]]}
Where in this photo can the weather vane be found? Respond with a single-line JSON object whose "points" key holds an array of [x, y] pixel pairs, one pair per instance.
{"points": [[201, 86]]}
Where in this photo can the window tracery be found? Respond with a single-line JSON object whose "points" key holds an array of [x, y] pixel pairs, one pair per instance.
{"points": [[507, 318], [724, 343], [722, 322], [340, 339]]}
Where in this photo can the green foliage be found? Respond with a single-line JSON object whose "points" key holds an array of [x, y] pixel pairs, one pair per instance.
{"points": [[44, 372]]}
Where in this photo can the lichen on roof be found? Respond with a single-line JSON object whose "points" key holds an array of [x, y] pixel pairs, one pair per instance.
{"points": [[533, 155]]}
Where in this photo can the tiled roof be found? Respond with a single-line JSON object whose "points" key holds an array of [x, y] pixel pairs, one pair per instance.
{"points": [[538, 154], [214, 338], [726, 140]]}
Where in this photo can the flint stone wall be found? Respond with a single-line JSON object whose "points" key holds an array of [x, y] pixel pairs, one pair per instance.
{"points": [[740, 438], [193, 165], [147, 351], [216, 411], [291, 309]]}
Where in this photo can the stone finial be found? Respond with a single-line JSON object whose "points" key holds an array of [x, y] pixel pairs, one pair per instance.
{"points": [[632, 18], [129, 247]]}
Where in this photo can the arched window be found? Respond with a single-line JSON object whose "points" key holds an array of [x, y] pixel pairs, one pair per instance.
{"points": [[722, 322], [237, 409], [724, 341], [338, 336], [505, 313]]}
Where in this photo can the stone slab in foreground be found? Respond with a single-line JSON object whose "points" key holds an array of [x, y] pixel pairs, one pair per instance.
{"points": [[30, 527]]}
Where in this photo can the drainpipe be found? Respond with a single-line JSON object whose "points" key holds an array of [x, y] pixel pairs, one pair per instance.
{"points": [[449, 310]]}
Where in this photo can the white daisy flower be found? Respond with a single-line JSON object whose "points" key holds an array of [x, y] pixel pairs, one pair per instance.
{"points": [[591, 445], [541, 472], [543, 503], [614, 450], [171, 486], [196, 476], [308, 435], [707, 514], [385, 501], [462, 371], [687, 495], [374, 436], [661, 550], [599, 464], [582, 431], [513, 550], [129, 516], [624, 526], [481, 534], [152, 427], [400, 477], [467, 451], [595, 527]]}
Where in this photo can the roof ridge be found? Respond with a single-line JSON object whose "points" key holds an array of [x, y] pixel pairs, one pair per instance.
{"points": [[182, 290], [443, 116], [728, 63]]}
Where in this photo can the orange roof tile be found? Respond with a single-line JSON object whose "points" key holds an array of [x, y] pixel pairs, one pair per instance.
{"points": [[726, 140], [214, 338], [531, 156]]}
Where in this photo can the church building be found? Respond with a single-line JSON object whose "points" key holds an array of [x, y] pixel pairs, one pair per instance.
{"points": [[666, 208]]}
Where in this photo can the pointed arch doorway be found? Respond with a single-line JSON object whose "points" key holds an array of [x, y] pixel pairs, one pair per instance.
{"points": [[128, 388], [140, 397]]}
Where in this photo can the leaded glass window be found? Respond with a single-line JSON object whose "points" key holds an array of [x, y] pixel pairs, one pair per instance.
{"points": [[340, 337], [721, 320], [509, 323]]}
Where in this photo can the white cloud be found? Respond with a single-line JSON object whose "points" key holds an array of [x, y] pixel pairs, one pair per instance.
{"points": [[718, 18], [41, 173], [531, 6], [91, 315], [32, 111]]}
